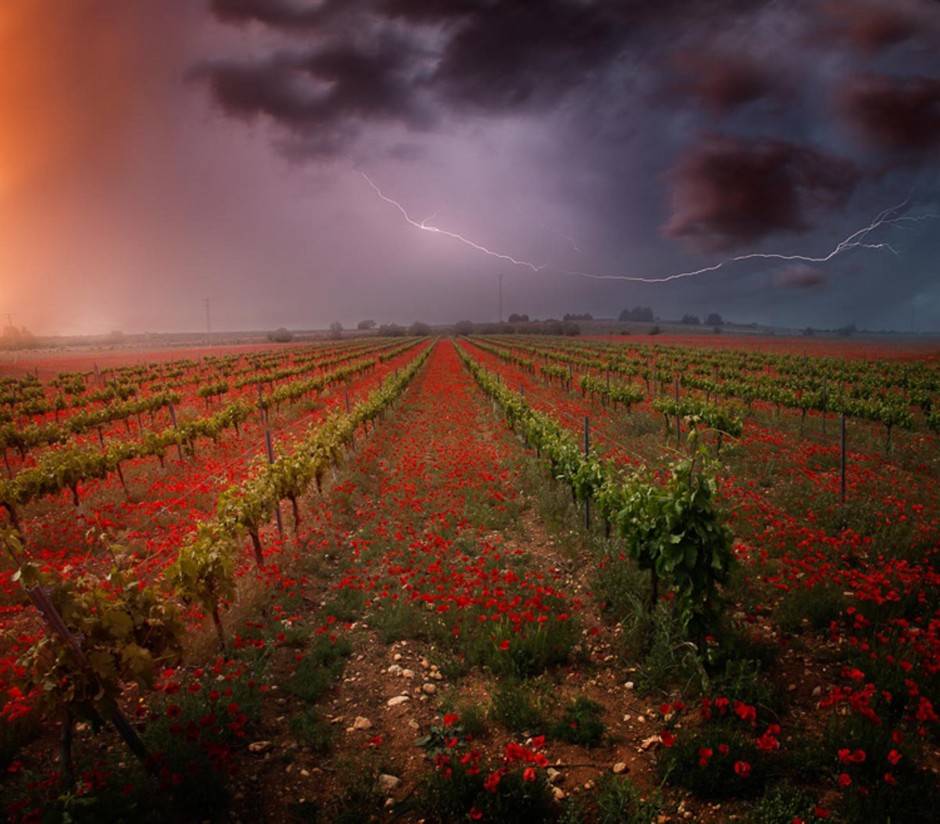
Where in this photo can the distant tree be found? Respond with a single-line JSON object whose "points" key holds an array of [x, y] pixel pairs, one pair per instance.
{"points": [[809, 332], [281, 335], [585, 316], [714, 319], [514, 318], [419, 329], [366, 325], [463, 327], [15, 338], [690, 320], [336, 330], [642, 314], [846, 331]]}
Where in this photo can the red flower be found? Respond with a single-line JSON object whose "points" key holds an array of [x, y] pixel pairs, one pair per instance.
{"points": [[894, 757], [742, 769], [667, 738], [844, 779], [528, 774], [504, 645], [450, 719]]}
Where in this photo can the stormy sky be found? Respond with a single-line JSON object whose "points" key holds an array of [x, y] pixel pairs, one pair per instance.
{"points": [[304, 161]]}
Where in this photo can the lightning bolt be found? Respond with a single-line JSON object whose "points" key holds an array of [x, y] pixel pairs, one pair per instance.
{"points": [[857, 240]]}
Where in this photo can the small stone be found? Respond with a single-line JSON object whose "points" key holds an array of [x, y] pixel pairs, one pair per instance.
{"points": [[396, 656], [558, 794], [629, 685], [387, 783], [259, 746], [394, 669], [429, 688], [305, 773], [817, 691], [398, 699], [627, 717], [620, 768], [640, 719], [555, 776], [791, 688], [362, 723], [589, 785], [407, 673]]}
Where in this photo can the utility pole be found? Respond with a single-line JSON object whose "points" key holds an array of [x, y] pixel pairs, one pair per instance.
{"points": [[500, 297]]}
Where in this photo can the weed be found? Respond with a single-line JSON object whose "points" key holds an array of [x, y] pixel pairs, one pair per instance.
{"points": [[311, 730], [518, 706], [580, 723], [783, 805], [811, 607], [319, 668]]}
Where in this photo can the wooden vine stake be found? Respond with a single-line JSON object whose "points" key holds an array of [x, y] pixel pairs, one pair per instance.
{"points": [[587, 452], [269, 443], [842, 463]]}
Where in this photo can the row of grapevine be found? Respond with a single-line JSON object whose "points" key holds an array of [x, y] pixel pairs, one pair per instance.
{"points": [[672, 528]]}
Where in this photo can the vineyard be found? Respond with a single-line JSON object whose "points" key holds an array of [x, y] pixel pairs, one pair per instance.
{"points": [[491, 578]]}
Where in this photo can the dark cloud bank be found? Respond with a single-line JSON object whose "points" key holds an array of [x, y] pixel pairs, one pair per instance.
{"points": [[760, 120]]}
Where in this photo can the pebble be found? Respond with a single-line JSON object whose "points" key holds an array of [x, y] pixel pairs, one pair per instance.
{"points": [[387, 783], [259, 746], [407, 673], [558, 794], [429, 688], [629, 685], [362, 723], [620, 768], [398, 699], [555, 776]]}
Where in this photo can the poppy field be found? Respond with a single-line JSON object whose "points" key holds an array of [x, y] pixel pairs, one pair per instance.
{"points": [[491, 578]]}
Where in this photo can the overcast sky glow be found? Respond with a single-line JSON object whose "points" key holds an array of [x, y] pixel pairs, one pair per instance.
{"points": [[159, 152]]}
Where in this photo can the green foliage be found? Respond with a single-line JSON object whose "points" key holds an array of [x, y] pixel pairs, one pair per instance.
{"points": [[783, 805], [616, 800], [310, 729], [580, 723], [121, 632], [519, 706], [204, 572], [316, 672]]}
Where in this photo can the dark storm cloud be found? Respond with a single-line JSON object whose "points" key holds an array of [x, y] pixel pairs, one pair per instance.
{"points": [[526, 54], [799, 276], [324, 91], [868, 27], [484, 56], [728, 192], [897, 114], [281, 13], [720, 82]]}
